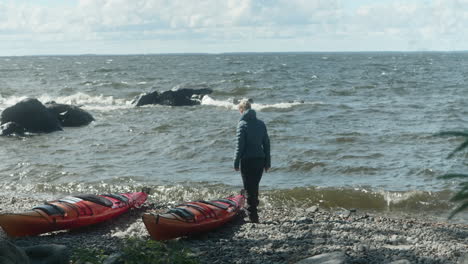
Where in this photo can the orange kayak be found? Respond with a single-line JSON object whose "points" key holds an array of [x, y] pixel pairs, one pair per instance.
{"points": [[193, 217], [69, 212]]}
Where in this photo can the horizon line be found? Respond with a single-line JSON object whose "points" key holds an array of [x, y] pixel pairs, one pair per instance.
{"points": [[235, 52]]}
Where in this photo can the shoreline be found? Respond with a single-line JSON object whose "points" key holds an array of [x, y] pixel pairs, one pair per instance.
{"points": [[284, 235]]}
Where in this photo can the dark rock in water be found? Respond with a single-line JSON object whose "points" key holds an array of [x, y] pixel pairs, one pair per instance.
{"points": [[11, 254], [32, 115], [48, 254], [146, 98], [11, 128], [181, 97], [70, 115], [296, 101]]}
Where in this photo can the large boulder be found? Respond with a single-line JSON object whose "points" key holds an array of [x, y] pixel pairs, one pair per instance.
{"points": [[11, 254], [11, 128], [48, 254], [180, 97], [40, 254], [32, 115], [70, 115]]}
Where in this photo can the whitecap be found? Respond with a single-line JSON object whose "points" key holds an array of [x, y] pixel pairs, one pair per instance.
{"points": [[231, 104], [85, 101], [398, 197], [207, 100]]}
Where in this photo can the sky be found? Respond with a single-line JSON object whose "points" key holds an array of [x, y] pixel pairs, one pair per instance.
{"points": [[39, 27]]}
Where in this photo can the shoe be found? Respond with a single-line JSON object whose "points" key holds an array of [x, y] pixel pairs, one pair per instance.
{"points": [[254, 218]]}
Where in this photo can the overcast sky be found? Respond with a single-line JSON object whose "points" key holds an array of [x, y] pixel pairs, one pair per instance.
{"points": [[37, 27]]}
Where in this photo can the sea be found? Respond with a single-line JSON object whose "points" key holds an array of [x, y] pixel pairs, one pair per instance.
{"points": [[347, 130]]}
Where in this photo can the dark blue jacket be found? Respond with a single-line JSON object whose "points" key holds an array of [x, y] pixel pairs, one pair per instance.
{"points": [[252, 139]]}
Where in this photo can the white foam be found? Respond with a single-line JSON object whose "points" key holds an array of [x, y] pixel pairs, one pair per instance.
{"points": [[88, 102], [109, 103], [136, 229], [398, 197], [100, 102], [5, 102], [261, 107], [206, 100], [229, 104]]}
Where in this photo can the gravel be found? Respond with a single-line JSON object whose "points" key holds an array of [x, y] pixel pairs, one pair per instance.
{"points": [[284, 235]]}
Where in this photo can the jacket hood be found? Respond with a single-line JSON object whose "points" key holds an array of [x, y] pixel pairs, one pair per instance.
{"points": [[249, 115]]}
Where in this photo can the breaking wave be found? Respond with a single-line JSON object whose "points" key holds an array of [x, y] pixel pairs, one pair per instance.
{"points": [[232, 104], [330, 198], [86, 101]]}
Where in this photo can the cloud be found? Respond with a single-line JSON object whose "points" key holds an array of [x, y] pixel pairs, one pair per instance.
{"points": [[115, 15], [409, 24], [421, 23]]}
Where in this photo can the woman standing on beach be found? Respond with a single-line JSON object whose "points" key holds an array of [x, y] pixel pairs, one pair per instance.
{"points": [[252, 154]]}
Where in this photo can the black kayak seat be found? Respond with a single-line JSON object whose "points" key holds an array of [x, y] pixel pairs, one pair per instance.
{"points": [[182, 212], [119, 197], [70, 200], [50, 209], [231, 202], [213, 203], [95, 199]]}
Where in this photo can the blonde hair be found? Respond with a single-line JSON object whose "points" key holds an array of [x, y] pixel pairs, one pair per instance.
{"points": [[244, 105]]}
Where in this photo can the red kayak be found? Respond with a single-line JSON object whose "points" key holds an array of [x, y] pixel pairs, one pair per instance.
{"points": [[193, 217], [70, 212]]}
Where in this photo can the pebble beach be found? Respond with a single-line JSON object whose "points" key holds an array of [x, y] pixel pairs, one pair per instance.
{"points": [[284, 235]]}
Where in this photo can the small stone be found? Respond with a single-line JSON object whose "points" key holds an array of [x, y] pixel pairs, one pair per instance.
{"points": [[337, 257], [345, 214], [361, 248], [319, 241], [312, 209], [463, 259], [401, 261]]}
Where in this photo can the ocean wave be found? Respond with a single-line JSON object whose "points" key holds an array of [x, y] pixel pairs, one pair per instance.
{"points": [[86, 101], [344, 92], [237, 91], [344, 139], [365, 157], [168, 194], [362, 198], [363, 170], [105, 70], [306, 166], [232, 104], [115, 85]]}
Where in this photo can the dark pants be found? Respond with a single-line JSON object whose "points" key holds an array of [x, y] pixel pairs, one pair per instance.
{"points": [[251, 171]]}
